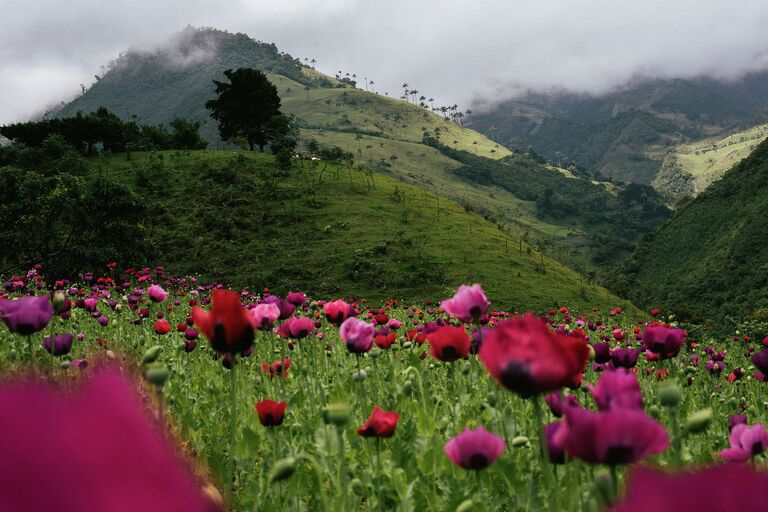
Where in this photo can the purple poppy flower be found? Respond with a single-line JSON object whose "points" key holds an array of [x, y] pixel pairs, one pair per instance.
{"points": [[556, 401], [357, 335], [104, 441], [27, 315], [189, 346], [90, 304], [602, 352], [618, 436], [736, 419], [760, 360], [474, 449], [624, 357], [468, 304], [103, 321], [746, 442], [664, 341], [617, 389], [715, 367], [555, 451], [725, 487], [62, 344]]}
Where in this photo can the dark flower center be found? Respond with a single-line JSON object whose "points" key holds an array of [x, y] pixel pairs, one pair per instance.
{"points": [[757, 448], [619, 454], [449, 354], [475, 311], [517, 376], [478, 461]]}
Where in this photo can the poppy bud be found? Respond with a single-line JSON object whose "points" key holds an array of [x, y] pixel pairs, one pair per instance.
{"points": [[59, 302], [359, 375], [282, 470], [520, 441], [158, 376], [408, 387], [604, 486], [466, 506], [698, 421], [357, 487], [336, 414], [491, 399], [670, 395], [151, 355]]}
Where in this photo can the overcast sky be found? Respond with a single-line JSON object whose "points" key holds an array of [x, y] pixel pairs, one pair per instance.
{"points": [[464, 52]]}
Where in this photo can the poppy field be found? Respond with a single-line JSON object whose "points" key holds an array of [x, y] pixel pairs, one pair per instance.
{"points": [[137, 390]]}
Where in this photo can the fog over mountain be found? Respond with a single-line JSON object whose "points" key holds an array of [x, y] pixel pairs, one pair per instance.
{"points": [[458, 52]]}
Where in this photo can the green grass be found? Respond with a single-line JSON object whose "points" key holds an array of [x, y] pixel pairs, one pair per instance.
{"points": [[353, 233], [708, 159]]}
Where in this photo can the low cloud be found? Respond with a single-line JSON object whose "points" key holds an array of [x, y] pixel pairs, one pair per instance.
{"points": [[460, 52]]}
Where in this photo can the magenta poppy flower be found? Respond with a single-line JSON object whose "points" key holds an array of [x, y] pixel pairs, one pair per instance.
{"points": [[264, 315], [746, 442], [357, 335], [725, 487], [62, 344], [556, 402], [619, 436], [295, 298], [760, 360], [468, 304], [624, 357], [474, 449], [297, 328], [664, 341], [337, 311], [602, 352], [617, 389], [736, 419], [90, 304], [156, 293], [27, 315], [102, 442]]}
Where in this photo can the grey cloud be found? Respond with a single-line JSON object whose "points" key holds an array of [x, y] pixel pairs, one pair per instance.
{"points": [[455, 51]]}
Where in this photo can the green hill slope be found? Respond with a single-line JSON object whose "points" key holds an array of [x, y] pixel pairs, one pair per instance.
{"points": [[386, 135], [330, 230], [690, 168], [710, 260]]}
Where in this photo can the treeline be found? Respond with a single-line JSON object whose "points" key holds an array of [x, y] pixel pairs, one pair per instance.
{"points": [[105, 131]]}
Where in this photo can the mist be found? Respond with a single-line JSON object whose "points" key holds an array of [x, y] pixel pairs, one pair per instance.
{"points": [[469, 53]]}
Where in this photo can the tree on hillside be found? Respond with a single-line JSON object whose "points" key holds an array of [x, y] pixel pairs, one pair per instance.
{"points": [[248, 106]]}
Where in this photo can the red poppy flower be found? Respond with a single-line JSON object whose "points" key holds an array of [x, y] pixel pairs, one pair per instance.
{"points": [[227, 325], [524, 356], [162, 326], [380, 424], [385, 340], [449, 343], [271, 413]]}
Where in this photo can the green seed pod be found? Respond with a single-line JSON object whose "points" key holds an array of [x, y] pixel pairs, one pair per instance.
{"points": [[407, 345], [59, 300], [282, 470], [64, 365], [591, 351], [336, 414], [359, 375], [491, 400], [520, 441], [670, 395], [158, 376], [431, 366], [698, 421], [465, 506], [357, 487], [733, 402], [151, 355], [408, 387], [654, 411], [375, 353], [466, 369]]}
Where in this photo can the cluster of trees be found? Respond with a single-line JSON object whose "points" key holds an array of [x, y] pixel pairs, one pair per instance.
{"points": [[86, 132], [248, 108]]}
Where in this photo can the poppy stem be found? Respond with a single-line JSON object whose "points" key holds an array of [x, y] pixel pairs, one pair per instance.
{"points": [[31, 354], [362, 384], [342, 468], [615, 483], [233, 424], [551, 485]]}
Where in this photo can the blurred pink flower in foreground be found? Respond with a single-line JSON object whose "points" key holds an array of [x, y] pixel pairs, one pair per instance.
{"points": [[96, 450]]}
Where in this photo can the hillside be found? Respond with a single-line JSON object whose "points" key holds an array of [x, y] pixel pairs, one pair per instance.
{"points": [[386, 135], [690, 168], [627, 133], [325, 229], [710, 260]]}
